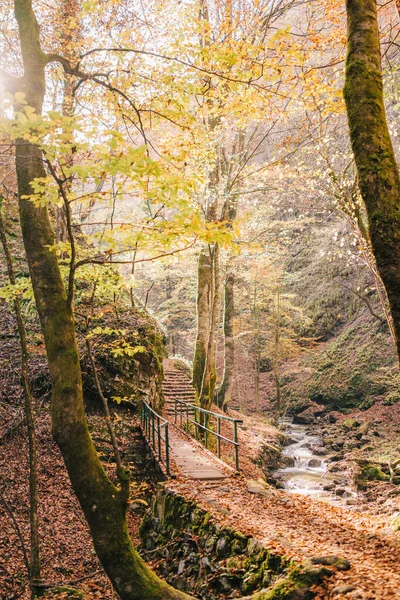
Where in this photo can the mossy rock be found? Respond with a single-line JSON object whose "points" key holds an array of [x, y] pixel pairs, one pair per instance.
{"points": [[350, 424], [371, 472], [129, 349], [296, 585], [252, 580]]}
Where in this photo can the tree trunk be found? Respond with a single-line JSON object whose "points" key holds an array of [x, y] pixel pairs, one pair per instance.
{"points": [[278, 404], [277, 354], [204, 277], [34, 564], [375, 159], [69, 42], [103, 503], [257, 381], [210, 367], [224, 392]]}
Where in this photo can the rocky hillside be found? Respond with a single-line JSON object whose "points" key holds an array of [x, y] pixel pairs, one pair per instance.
{"points": [[127, 343]]}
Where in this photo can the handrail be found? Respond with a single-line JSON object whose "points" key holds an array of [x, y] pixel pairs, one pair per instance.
{"points": [[153, 425], [183, 409]]}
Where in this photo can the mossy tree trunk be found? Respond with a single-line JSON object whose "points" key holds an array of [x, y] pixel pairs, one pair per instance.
{"points": [[104, 504], [375, 159], [204, 284], [224, 392], [210, 366]]}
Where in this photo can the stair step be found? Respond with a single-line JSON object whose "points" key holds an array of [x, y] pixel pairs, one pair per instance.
{"points": [[179, 391], [176, 386]]}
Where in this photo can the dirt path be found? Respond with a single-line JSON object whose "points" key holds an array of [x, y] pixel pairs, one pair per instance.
{"points": [[295, 525], [301, 528]]}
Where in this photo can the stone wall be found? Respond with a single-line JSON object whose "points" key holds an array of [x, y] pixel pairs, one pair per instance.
{"points": [[198, 556]]}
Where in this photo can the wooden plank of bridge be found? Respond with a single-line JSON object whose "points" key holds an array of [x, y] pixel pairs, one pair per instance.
{"points": [[192, 462]]}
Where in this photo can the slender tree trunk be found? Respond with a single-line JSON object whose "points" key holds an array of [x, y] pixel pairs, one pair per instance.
{"points": [[210, 367], [257, 381], [224, 392], [256, 349], [375, 159], [277, 354], [103, 503], [204, 282], [69, 42], [34, 563], [278, 405]]}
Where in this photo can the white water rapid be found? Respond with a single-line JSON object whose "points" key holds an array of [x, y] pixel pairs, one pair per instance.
{"points": [[307, 473]]}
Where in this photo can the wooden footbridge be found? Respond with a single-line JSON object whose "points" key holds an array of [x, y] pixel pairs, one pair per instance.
{"points": [[183, 439]]}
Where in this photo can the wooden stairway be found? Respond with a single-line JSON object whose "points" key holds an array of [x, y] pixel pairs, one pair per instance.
{"points": [[176, 386]]}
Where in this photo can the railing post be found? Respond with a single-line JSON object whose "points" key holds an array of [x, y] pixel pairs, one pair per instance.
{"points": [[158, 437], [235, 436], [218, 438], [153, 430], [167, 448], [175, 411]]}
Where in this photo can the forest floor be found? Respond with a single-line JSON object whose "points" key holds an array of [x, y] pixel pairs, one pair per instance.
{"points": [[301, 527], [68, 556], [295, 525]]}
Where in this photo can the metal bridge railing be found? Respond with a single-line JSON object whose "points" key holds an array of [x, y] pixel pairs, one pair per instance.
{"points": [[200, 419], [155, 430]]}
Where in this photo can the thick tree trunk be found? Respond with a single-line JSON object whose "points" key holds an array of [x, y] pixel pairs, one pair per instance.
{"points": [[103, 503], [375, 159], [224, 392]]}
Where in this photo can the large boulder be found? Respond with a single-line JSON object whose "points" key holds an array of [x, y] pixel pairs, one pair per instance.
{"points": [[129, 349]]}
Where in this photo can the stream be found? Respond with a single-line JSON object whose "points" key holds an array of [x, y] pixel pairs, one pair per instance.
{"points": [[306, 473]]}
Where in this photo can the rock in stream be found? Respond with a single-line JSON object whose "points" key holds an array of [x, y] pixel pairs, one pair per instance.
{"points": [[305, 471]]}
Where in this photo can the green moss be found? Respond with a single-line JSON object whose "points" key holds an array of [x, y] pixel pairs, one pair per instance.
{"points": [[350, 424], [252, 580], [373, 473], [396, 523], [391, 398], [296, 584], [70, 593], [282, 590], [250, 566]]}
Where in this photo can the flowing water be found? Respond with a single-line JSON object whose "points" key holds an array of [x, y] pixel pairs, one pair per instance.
{"points": [[308, 474]]}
